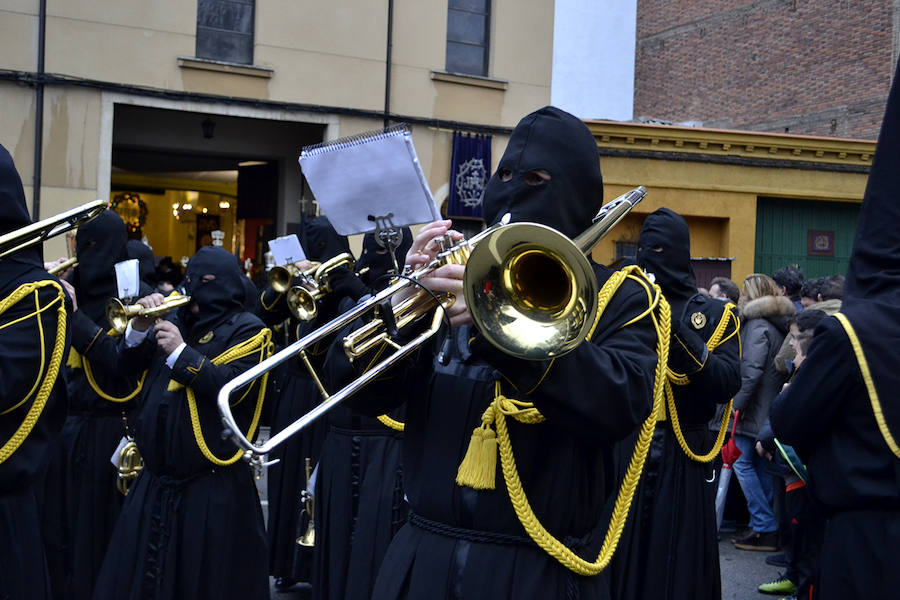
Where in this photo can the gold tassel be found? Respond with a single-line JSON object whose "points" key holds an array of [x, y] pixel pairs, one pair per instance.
{"points": [[478, 469]]}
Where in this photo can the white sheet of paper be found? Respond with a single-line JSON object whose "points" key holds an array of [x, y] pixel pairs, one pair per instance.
{"points": [[128, 278], [367, 176], [114, 459], [286, 250]]}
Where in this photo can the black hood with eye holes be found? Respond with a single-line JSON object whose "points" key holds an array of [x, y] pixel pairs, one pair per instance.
{"points": [[378, 261], [217, 299], [320, 241], [554, 141], [99, 245], [671, 267], [13, 211]]}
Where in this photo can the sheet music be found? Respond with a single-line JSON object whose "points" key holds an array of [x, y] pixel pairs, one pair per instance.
{"points": [[373, 176], [286, 250], [128, 278]]}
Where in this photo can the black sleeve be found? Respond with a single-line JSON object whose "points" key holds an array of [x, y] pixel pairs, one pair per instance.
{"points": [[102, 353], [272, 307], [717, 374], [805, 412], [197, 371], [603, 389]]}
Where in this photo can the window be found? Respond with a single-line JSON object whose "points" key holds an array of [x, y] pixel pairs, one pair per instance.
{"points": [[468, 25], [225, 30]]}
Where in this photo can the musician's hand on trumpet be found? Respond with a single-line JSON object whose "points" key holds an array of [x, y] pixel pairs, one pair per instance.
{"points": [[140, 323], [444, 279]]}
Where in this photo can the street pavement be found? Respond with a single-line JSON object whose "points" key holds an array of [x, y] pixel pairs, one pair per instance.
{"points": [[742, 571]]}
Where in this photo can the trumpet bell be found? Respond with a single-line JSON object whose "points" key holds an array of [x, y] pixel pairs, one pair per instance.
{"points": [[301, 303], [531, 291], [280, 279], [308, 539], [117, 314]]}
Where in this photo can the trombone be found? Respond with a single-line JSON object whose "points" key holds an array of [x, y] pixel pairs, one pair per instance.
{"points": [[531, 292], [21, 238], [118, 314], [71, 262]]}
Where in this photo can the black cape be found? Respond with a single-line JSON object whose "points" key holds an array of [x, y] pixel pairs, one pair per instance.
{"points": [[27, 351], [829, 415]]}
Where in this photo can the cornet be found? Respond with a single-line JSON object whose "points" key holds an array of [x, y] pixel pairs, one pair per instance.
{"points": [[302, 301], [280, 278], [531, 292], [118, 314]]}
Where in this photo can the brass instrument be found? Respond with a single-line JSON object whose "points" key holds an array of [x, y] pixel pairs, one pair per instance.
{"points": [[36, 233], [302, 301], [281, 277], [308, 539], [69, 263], [129, 465], [530, 290], [118, 314]]}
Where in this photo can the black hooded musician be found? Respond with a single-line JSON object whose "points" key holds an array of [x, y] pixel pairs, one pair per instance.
{"points": [[33, 344], [296, 394], [669, 549], [192, 525], [359, 503], [841, 412], [81, 501], [528, 522]]}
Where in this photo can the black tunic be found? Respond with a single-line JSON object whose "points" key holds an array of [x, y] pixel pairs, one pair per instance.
{"points": [[827, 417], [26, 352], [669, 547], [591, 398], [189, 528]]}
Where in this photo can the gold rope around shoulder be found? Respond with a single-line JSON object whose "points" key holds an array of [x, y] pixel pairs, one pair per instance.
{"points": [[56, 357], [261, 342], [532, 525], [715, 340], [870, 384], [89, 375]]}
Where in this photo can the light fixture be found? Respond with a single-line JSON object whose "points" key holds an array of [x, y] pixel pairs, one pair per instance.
{"points": [[175, 212], [224, 204], [204, 210], [175, 205], [187, 206], [209, 127]]}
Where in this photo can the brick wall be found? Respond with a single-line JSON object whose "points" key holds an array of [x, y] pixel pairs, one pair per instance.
{"points": [[817, 67]]}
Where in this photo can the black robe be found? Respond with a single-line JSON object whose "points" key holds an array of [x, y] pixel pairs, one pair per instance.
{"points": [[23, 573], [296, 395], [465, 543], [189, 528], [669, 548], [827, 417]]}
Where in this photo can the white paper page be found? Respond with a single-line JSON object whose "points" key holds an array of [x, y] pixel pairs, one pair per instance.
{"points": [[128, 278], [373, 175], [286, 250]]}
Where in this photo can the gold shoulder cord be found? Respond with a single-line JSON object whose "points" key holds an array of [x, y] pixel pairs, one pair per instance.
{"points": [[385, 420], [870, 384], [672, 377], [45, 387], [89, 375], [260, 343], [479, 465]]}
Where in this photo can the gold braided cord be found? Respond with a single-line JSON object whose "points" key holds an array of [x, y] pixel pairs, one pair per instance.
{"points": [[37, 312], [262, 302], [261, 343], [56, 357], [391, 423], [716, 339], [533, 527], [89, 374], [870, 384]]}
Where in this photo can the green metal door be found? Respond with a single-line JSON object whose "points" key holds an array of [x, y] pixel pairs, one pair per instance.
{"points": [[817, 236]]}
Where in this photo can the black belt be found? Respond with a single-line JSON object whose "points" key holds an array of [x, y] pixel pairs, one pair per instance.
{"points": [[469, 535]]}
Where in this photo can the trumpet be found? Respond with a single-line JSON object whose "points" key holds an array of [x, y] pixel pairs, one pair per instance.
{"points": [[36, 233], [308, 539], [281, 277], [118, 314], [69, 263], [531, 292], [302, 301]]}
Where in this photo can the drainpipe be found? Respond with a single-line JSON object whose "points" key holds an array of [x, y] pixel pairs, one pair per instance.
{"points": [[387, 73], [39, 113]]}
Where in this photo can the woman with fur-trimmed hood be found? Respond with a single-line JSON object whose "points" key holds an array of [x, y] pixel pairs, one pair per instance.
{"points": [[764, 314]]}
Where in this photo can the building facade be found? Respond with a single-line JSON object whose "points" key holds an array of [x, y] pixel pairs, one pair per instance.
{"points": [[190, 116]]}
